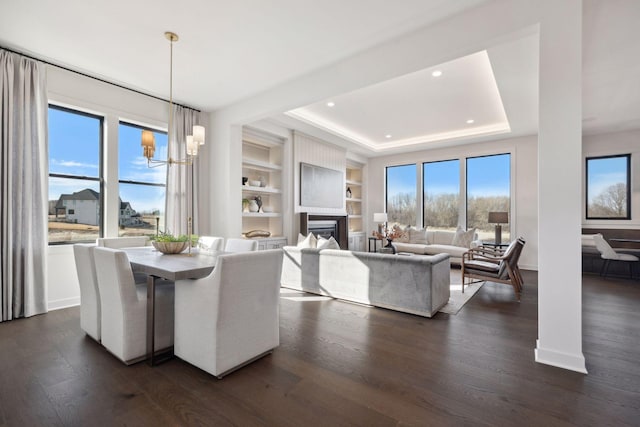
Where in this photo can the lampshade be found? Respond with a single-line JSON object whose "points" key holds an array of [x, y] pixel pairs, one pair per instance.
{"points": [[148, 140], [498, 217], [380, 217], [192, 146], [198, 134]]}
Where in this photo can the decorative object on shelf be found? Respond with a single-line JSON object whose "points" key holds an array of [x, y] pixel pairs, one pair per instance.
{"points": [[257, 233], [258, 200], [193, 141], [244, 180], [263, 181], [245, 205], [254, 183], [349, 193], [381, 218], [349, 209], [253, 206], [267, 209], [498, 218]]}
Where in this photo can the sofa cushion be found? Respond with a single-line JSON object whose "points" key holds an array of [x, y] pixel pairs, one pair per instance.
{"points": [[463, 238], [418, 235], [441, 237], [453, 251], [403, 234], [307, 242], [329, 243]]}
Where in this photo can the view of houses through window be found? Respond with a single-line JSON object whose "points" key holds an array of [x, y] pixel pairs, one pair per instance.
{"points": [[75, 176], [76, 205], [142, 189], [488, 189]]}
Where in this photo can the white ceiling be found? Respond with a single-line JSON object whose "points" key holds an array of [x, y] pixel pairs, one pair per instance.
{"points": [[231, 51]]}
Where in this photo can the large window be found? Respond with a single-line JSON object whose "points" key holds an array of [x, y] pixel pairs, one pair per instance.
{"points": [[608, 187], [75, 201], [488, 190], [441, 201], [142, 189], [401, 194]]}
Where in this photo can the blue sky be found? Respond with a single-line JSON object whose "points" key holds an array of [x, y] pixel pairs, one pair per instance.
{"points": [[604, 172], [486, 176], [74, 149]]}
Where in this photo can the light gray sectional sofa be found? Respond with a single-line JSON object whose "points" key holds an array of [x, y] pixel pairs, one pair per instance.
{"points": [[408, 283]]}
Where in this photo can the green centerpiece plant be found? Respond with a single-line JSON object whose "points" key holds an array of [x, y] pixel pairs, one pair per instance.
{"points": [[167, 243]]}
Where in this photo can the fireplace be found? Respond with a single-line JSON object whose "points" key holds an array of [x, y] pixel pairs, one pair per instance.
{"points": [[324, 229], [326, 226]]}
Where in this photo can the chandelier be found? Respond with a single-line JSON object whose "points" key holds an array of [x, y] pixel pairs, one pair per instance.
{"points": [[193, 142]]}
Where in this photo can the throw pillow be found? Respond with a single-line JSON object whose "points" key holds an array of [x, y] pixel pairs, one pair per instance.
{"points": [[329, 243], [307, 242], [463, 238], [402, 234], [418, 235]]}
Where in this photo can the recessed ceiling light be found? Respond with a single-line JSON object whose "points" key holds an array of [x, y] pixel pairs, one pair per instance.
{"points": [[387, 136], [331, 104], [470, 121], [436, 73]]}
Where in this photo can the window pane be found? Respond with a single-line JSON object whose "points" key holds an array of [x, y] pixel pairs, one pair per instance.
{"points": [[608, 187], [140, 206], [75, 207], [401, 195], [74, 210], [441, 194], [132, 165], [74, 143], [488, 190]]}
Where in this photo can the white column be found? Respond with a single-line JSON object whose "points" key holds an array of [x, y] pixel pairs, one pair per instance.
{"points": [[559, 179], [110, 173]]}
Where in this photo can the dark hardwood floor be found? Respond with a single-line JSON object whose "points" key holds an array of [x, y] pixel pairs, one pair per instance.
{"points": [[344, 364]]}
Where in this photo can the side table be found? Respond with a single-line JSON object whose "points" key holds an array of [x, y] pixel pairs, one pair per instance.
{"points": [[375, 244]]}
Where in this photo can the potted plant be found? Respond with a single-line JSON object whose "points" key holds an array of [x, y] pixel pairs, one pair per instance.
{"points": [[167, 243]]}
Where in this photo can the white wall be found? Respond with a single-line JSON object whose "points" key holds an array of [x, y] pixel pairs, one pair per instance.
{"points": [[524, 189], [611, 144], [82, 93]]}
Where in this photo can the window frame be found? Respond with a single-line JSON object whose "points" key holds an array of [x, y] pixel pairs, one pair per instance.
{"points": [[586, 187], [134, 182], [386, 189], [466, 186], [459, 186], [99, 178]]}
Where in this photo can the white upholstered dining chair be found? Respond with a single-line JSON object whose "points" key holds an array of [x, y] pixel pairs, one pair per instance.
{"points": [[89, 293], [241, 245], [124, 308], [122, 242], [210, 243], [229, 318]]}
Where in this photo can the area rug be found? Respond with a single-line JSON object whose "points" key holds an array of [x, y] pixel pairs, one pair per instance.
{"points": [[458, 299]]}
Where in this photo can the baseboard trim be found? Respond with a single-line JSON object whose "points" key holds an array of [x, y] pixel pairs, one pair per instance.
{"points": [[558, 359], [528, 267], [63, 303]]}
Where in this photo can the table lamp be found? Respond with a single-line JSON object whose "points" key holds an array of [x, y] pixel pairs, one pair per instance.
{"points": [[381, 219], [498, 218]]}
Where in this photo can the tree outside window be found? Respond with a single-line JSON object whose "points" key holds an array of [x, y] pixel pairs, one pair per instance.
{"points": [[401, 195], [608, 187]]}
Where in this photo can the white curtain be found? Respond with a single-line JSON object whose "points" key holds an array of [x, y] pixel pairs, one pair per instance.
{"points": [[23, 179], [180, 183]]}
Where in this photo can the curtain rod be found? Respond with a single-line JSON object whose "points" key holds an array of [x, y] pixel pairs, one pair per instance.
{"points": [[94, 77]]}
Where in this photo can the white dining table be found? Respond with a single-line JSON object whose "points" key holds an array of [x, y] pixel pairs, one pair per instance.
{"points": [[156, 265]]}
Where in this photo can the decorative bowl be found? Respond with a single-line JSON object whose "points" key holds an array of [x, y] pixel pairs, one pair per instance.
{"points": [[254, 183], [267, 209], [170, 247]]}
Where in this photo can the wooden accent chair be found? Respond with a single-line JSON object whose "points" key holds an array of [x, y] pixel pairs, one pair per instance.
{"points": [[494, 265]]}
